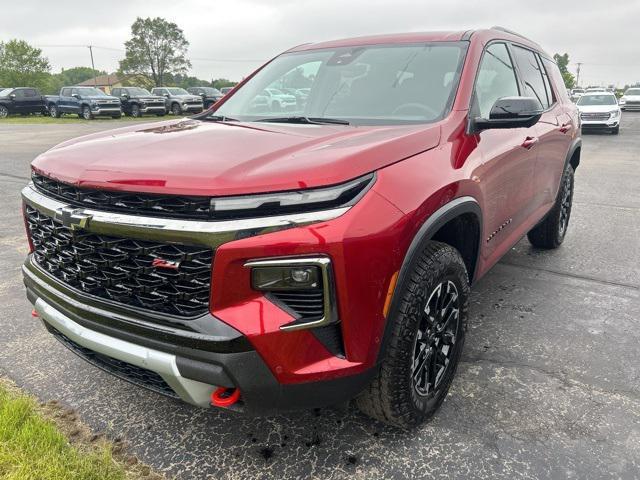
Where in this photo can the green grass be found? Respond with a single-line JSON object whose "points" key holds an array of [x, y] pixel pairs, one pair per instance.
{"points": [[32, 447], [67, 119]]}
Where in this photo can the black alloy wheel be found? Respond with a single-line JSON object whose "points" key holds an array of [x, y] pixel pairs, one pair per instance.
{"points": [[436, 339]]}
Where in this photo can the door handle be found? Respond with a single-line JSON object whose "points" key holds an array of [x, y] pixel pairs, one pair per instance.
{"points": [[529, 142], [565, 127]]}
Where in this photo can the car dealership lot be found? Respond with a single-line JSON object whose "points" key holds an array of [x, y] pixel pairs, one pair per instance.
{"points": [[549, 385]]}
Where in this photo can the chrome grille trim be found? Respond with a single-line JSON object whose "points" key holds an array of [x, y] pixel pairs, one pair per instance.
{"points": [[209, 233]]}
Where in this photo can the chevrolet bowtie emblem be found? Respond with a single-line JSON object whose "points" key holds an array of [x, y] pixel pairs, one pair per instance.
{"points": [[73, 218]]}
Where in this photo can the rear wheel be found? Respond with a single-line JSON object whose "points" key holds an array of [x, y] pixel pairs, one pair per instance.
{"points": [[425, 342], [86, 113], [551, 231]]}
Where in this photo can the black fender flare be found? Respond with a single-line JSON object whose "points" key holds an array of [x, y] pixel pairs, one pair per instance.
{"points": [[449, 211], [576, 144]]}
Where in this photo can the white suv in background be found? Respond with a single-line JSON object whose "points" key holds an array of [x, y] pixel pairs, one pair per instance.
{"points": [[599, 110], [631, 99]]}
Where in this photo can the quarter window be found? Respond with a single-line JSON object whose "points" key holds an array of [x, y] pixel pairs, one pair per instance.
{"points": [[531, 74], [496, 78], [547, 81]]}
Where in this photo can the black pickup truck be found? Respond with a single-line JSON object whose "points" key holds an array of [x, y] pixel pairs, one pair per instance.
{"points": [[86, 102], [23, 100], [137, 101], [209, 95]]}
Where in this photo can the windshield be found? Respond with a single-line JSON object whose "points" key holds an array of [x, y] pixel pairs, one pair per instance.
{"points": [[137, 91], [211, 91], [178, 91], [597, 100], [91, 92], [631, 91], [364, 85]]}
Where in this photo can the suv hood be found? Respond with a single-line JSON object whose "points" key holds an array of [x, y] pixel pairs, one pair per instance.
{"points": [[188, 97], [597, 108], [192, 157]]}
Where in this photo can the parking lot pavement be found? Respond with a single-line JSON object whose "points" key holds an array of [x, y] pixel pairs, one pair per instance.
{"points": [[549, 386]]}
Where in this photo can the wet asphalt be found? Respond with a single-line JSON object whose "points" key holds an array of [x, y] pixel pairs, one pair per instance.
{"points": [[549, 385]]}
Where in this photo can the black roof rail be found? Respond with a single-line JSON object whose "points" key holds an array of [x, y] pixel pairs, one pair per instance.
{"points": [[506, 30]]}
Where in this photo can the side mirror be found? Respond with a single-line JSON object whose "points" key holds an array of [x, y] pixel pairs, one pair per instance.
{"points": [[75, 95], [124, 95], [511, 112], [12, 96]]}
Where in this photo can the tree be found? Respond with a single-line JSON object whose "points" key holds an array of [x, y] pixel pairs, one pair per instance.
{"points": [[156, 48], [563, 63], [76, 75], [22, 65], [222, 82]]}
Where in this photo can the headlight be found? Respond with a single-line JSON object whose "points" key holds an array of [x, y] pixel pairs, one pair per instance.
{"points": [[622, 101], [313, 199]]}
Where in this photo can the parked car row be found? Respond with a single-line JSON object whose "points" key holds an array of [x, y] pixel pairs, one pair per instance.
{"points": [[90, 102]]}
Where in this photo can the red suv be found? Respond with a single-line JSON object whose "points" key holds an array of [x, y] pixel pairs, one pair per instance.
{"points": [[260, 257]]}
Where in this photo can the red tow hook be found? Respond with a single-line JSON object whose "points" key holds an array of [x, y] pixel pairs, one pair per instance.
{"points": [[225, 397], [34, 313]]}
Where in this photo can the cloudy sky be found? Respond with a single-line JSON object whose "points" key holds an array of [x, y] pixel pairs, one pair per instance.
{"points": [[231, 38]]}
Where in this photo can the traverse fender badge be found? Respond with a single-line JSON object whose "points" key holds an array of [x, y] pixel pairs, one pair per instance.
{"points": [[73, 218]]}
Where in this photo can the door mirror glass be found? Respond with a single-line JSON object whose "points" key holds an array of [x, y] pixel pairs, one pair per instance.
{"points": [[512, 112]]}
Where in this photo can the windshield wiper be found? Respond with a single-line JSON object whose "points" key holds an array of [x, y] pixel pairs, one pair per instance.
{"points": [[220, 118], [309, 120]]}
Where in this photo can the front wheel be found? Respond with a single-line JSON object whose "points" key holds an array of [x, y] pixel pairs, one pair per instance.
{"points": [[176, 109], [135, 111], [86, 113], [4, 111], [615, 130], [425, 339], [550, 232], [54, 112]]}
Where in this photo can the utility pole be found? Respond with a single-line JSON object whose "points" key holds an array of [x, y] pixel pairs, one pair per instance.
{"points": [[95, 81], [578, 74]]}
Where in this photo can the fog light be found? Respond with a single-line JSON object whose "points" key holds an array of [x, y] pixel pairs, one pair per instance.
{"points": [[285, 278]]}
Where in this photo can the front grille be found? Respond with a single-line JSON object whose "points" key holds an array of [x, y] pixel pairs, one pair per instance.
{"points": [[172, 206], [136, 375], [595, 116], [307, 304], [121, 269]]}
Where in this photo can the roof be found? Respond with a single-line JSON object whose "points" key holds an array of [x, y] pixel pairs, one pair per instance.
{"points": [[484, 35], [101, 81]]}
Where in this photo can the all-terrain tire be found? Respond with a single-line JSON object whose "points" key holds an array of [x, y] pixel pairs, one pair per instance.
{"points": [[393, 396], [550, 232]]}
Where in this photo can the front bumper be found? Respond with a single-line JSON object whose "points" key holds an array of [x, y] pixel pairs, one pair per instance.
{"points": [[184, 365], [106, 111], [198, 107], [600, 124], [153, 109]]}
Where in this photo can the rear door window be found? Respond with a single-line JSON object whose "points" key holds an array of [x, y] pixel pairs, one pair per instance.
{"points": [[531, 75]]}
